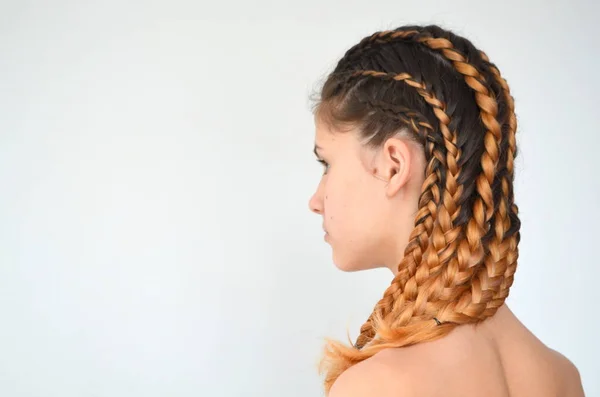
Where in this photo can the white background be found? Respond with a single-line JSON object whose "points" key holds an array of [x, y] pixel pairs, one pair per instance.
{"points": [[155, 170]]}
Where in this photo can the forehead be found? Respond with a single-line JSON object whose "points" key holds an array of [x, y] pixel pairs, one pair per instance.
{"points": [[341, 144], [329, 137]]}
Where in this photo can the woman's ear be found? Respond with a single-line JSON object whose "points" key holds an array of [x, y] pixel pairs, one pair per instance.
{"points": [[396, 159]]}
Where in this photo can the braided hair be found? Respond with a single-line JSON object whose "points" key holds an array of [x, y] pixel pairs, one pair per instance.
{"points": [[434, 87]]}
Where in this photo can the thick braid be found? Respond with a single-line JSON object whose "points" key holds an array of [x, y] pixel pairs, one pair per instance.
{"points": [[506, 182], [405, 281]]}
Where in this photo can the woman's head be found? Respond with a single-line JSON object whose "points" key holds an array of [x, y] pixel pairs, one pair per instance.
{"points": [[418, 131]]}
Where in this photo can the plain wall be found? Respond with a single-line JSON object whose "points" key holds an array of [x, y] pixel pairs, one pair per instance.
{"points": [[155, 170]]}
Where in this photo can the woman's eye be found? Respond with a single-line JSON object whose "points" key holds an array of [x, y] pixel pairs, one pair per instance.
{"points": [[325, 164]]}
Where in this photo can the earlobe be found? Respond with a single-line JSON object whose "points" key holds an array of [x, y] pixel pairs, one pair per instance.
{"points": [[396, 182]]}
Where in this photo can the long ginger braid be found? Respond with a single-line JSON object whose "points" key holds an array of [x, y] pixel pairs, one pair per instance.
{"points": [[461, 256]]}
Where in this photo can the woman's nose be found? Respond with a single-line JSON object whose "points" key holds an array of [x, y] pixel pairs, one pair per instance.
{"points": [[315, 204]]}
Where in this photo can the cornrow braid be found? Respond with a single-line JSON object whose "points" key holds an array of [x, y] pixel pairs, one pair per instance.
{"points": [[411, 118], [513, 225]]}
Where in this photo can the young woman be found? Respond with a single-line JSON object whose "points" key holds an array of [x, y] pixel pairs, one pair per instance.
{"points": [[416, 130]]}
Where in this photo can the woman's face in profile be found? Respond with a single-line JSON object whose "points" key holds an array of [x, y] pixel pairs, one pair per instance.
{"points": [[365, 226]]}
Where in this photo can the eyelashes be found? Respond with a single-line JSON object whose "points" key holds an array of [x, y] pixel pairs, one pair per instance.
{"points": [[324, 164]]}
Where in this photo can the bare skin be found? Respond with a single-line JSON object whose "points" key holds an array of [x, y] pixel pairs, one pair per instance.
{"points": [[368, 200], [498, 358]]}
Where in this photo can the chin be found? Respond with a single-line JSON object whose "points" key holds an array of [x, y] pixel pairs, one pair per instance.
{"points": [[350, 266], [347, 269], [354, 259]]}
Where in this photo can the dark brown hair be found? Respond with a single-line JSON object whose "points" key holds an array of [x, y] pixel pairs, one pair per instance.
{"points": [[434, 86]]}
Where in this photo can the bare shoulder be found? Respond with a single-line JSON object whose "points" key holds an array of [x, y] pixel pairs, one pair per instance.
{"points": [[421, 370], [382, 375], [567, 370], [461, 364]]}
